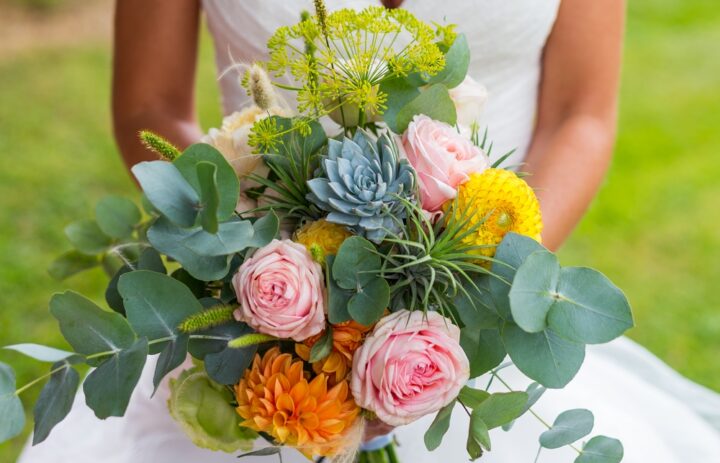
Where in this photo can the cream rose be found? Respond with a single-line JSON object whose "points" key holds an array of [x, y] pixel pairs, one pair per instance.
{"points": [[469, 98], [410, 366], [281, 291], [442, 158]]}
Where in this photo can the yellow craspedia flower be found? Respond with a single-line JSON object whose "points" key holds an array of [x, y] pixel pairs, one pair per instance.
{"points": [[504, 203], [322, 238]]}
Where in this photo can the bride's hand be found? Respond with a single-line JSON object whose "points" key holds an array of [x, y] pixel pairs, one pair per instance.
{"points": [[375, 428]]}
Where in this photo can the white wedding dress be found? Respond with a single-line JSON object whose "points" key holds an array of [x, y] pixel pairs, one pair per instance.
{"points": [[659, 416]]}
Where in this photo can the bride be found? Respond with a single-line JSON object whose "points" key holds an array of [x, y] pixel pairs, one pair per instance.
{"points": [[552, 72]]}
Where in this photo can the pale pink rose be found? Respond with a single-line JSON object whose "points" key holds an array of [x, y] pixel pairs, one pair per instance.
{"points": [[442, 158], [410, 366], [281, 291], [469, 98]]}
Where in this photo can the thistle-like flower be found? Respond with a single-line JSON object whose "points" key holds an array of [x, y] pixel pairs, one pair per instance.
{"points": [[363, 185]]}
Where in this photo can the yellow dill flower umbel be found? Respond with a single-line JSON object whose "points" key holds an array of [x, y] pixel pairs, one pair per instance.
{"points": [[322, 238], [277, 397], [505, 202]]}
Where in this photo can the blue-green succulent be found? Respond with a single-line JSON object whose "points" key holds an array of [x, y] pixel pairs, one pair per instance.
{"points": [[362, 183]]}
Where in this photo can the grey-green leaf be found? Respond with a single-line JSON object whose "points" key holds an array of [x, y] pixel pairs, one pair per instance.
{"points": [[476, 308], [439, 427], [399, 93], [168, 191], [11, 409], [589, 307], [87, 237], [601, 449], [544, 357], [369, 303], [264, 452], [71, 263], [322, 348], [337, 297], [568, 427], [55, 401], [355, 263], [117, 216], [472, 398], [501, 408], [209, 196], [457, 60], [42, 353], [88, 328], [109, 387], [534, 290], [484, 349], [434, 102], [156, 304], [171, 357], [479, 430], [228, 365]]}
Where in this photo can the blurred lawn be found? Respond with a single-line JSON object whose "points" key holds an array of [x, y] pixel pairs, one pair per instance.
{"points": [[653, 229]]}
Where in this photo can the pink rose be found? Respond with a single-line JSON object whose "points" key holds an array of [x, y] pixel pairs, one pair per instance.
{"points": [[442, 158], [281, 291], [410, 366]]}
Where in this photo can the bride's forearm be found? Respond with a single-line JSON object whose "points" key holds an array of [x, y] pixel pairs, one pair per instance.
{"points": [[567, 165]]}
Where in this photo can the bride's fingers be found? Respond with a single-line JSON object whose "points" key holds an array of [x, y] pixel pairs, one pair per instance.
{"points": [[375, 428]]}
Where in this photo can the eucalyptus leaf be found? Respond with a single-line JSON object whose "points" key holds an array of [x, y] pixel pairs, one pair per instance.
{"points": [[399, 93], [501, 408], [71, 263], [588, 307], [355, 263], [322, 348], [209, 196], [434, 102], [457, 61], [568, 427], [42, 353], [171, 357], [87, 237], [475, 305], [117, 216], [156, 304], [109, 387], [227, 365], [439, 427], [149, 260], [544, 357], [534, 392], [511, 253], [534, 291], [55, 401], [337, 297], [472, 398], [601, 449], [484, 349], [168, 191], [264, 452], [231, 237], [369, 303], [11, 409], [88, 328], [226, 181], [479, 430], [265, 229]]}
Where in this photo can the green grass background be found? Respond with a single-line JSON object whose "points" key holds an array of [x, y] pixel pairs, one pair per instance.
{"points": [[653, 229]]}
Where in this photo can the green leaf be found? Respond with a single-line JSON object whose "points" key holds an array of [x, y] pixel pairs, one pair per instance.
{"points": [[534, 290], [399, 93], [568, 427], [55, 401], [228, 365], [484, 349], [117, 216], [265, 230], [434, 102], [472, 398], [156, 304], [86, 237], [337, 297], [71, 263], [149, 260], [355, 263], [42, 353], [227, 183], [88, 328], [501, 408], [476, 308], [589, 308], [511, 253], [369, 303], [601, 449], [479, 431], [534, 392], [171, 241], [322, 348], [264, 452], [215, 339], [205, 412], [457, 60], [171, 357], [209, 196], [11, 409], [439, 427], [168, 191], [544, 357], [109, 387]]}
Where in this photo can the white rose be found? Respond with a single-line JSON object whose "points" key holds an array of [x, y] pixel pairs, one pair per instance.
{"points": [[469, 98]]}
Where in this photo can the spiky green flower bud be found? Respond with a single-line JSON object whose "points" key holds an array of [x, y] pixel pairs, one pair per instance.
{"points": [[159, 145], [209, 318]]}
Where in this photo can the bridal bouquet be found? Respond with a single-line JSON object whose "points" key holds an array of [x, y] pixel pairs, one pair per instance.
{"points": [[320, 279]]}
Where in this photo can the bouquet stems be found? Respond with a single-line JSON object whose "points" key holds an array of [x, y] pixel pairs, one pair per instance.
{"points": [[386, 454]]}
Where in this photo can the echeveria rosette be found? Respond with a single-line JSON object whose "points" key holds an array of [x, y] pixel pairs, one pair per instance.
{"points": [[363, 184]]}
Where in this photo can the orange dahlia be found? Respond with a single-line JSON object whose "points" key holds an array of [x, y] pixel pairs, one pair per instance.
{"points": [[347, 337], [277, 397]]}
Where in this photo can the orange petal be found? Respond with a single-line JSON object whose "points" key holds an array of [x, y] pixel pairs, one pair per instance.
{"points": [[285, 403]]}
